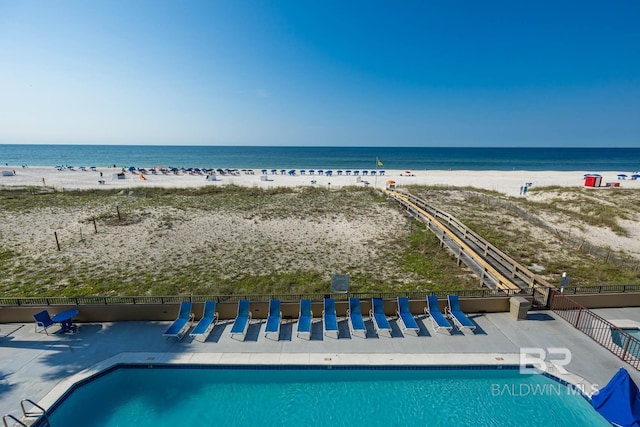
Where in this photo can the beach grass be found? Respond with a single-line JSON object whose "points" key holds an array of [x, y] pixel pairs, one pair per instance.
{"points": [[230, 240], [551, 230], [243, 240]]}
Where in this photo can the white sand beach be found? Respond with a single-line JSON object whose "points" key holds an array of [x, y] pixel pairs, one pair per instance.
{"points": [[507, 182]]}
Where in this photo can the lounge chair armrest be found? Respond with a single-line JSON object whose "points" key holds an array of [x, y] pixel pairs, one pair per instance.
{"points": [[216, 317], [311, 312], [371, 313], [426, 311]]}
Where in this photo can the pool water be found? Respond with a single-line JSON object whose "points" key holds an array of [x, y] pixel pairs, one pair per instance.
{"points": [[171, 396], [621, 340]]}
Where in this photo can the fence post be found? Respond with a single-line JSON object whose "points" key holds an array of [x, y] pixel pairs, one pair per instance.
{"points": [[578, 318], [626, 347]]}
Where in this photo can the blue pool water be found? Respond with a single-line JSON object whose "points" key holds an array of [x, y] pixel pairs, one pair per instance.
{"points": [[621, 340], [169, 396]]}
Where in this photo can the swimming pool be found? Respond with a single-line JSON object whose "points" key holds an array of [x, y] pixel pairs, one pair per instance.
{"points": [[171, 395], [621, 340]]}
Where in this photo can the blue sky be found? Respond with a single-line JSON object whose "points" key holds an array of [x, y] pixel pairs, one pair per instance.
{"points": [[359, 73]]}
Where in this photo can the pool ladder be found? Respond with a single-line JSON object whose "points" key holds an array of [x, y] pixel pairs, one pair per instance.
{"points": [[28, 415]]}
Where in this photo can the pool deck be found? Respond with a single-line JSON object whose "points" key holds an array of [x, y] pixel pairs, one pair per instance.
{"points": [[39, 366]]}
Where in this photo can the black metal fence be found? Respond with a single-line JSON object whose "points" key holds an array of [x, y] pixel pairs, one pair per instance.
{"points": [[108, 300], [616, 340]]}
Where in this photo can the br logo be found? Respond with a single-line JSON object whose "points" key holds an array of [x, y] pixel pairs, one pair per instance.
{"points": [[535, 359]]}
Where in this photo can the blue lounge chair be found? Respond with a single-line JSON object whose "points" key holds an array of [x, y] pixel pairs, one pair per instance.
{"points": [[182, 324], [207, 322], [356, 322], [407, 321], [437, 318], [330, 320], [273, 319], [305, 318], [43, 320], [241, 324], [459, 318], [380, 322]]}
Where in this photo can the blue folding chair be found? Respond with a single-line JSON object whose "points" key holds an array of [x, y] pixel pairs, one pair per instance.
{"points": [[43, 320], [243, 319], [305, 318], [207, 322], [182, 324], [405, 317], [356, 322], [380, 321], [437, 318], [459, 318], [329, 318], [273, 319]]}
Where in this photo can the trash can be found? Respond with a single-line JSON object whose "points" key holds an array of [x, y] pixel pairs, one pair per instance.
{"points": [[519, 307]]}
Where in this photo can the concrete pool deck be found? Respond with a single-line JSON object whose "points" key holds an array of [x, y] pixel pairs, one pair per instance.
{"points": [[34, 364]]}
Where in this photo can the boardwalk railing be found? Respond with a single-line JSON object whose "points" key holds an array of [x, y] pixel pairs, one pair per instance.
{"points": [[489, 251], [605, 333]]}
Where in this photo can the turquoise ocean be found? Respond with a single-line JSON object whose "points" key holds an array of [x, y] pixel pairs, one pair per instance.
{"points": [[261, 157]]}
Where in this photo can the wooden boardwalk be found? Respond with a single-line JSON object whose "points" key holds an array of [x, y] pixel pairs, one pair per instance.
{"points": [[495, 269]]}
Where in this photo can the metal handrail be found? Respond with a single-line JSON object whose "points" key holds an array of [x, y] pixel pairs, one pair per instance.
{"points": [[4, 420], [33, 414], [598, 329]]}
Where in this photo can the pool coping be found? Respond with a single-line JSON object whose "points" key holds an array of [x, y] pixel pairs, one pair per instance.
{"points": [[625, 323], [461, 360]]}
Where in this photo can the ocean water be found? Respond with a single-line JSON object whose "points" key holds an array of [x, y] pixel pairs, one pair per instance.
{"points": [[411, 158], [323, 397]]}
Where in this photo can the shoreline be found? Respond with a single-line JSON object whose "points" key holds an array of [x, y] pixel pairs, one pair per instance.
{"points": [[507, 182]]}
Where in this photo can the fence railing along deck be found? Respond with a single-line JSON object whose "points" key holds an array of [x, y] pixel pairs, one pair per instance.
{"points": [[107, 300], [616, 340]]}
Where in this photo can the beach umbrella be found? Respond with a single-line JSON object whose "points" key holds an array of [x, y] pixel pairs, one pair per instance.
{"points": [[407, 172], [132, 168], [622, 175], [390, 181], [635, 176]]}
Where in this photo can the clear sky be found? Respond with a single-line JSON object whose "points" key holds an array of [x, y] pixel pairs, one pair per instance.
{"points": [[352, 73]]}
